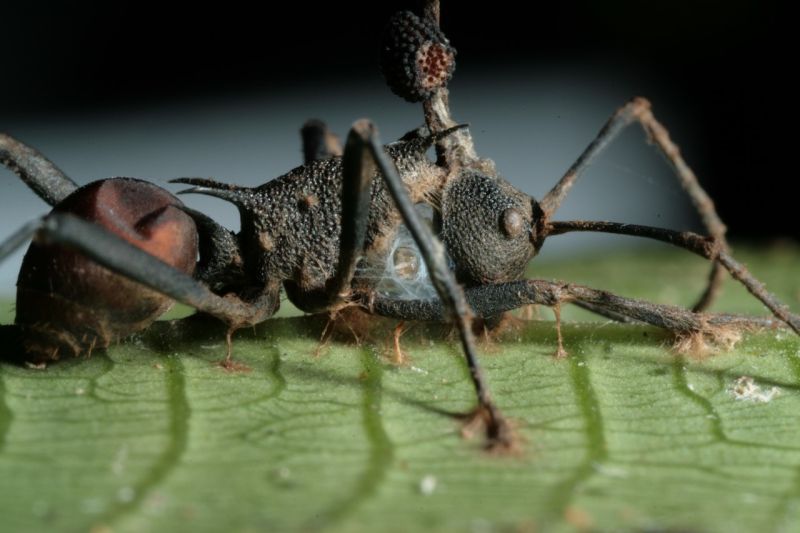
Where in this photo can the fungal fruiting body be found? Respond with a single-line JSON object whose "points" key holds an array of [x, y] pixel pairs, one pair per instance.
{"points": [[416, 57]]}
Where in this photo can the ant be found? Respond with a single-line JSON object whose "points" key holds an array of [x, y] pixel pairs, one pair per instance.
{"points": [[318, 232]]}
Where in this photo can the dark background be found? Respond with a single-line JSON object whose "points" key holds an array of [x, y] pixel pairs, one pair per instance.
{"points": [[722, 66]]}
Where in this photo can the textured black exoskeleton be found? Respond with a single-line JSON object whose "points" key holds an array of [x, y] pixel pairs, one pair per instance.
{"points": [[384, 229]]}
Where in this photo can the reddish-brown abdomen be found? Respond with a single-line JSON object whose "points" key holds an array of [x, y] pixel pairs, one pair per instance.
{"points": [[67, 304]]}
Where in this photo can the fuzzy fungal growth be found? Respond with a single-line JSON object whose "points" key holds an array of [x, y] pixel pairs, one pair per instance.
{"points": [[416, 57]]}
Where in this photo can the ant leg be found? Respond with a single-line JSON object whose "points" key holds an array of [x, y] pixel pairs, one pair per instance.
{"points": [[18, 238], [38, 173], [319, 142], [127, 260], [616, 317], [450, 292], [357, 174], [706, 247], [638, 110], [399, 356], [560, 351], [358, 171], [493, 299]]}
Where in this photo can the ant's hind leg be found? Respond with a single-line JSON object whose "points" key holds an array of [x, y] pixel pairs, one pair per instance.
{"points": [[18, 238], [125, 259], [39, 173]]}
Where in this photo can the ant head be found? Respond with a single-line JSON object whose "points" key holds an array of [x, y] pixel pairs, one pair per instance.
{"points": [[491, 229]]}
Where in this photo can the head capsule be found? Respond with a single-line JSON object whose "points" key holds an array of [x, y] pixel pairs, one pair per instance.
{"points": [[489, 227]]}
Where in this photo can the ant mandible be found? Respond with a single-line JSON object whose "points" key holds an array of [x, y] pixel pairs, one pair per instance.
{"points": [[316, 230]]}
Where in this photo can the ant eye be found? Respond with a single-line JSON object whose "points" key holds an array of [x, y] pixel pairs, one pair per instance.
{"points": [[512, 222]]}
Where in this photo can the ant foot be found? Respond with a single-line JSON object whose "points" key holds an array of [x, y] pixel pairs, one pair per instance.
{"points": [[232, 366], [501, 438]]}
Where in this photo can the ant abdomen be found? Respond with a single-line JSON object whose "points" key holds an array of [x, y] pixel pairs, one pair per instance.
{"points": [[67, 304]]}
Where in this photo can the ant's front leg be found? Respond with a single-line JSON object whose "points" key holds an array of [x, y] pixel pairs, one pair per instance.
{"points": [[38, 172], [493, 299], [707, 247], [638, 110], [125, 259]]}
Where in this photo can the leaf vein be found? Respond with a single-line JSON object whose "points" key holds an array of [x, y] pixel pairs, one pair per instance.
{"points": [[178, 431], [596, 446], [381, 448]]}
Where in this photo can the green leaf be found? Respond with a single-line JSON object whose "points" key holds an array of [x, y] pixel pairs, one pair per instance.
{"points": [[622, 435]]}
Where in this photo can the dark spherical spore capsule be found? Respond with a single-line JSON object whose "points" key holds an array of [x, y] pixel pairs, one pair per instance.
{"points": [[416, 57], [67, 304]]}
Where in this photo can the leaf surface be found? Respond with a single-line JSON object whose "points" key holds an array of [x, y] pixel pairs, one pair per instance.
{"points": [[622, 435]]}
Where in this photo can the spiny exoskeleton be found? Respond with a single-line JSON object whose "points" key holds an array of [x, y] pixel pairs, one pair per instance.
{"points": [[291, 226]]}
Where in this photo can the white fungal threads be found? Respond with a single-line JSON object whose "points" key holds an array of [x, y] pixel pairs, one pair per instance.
{"points": [[745, 389], [403, 274]]}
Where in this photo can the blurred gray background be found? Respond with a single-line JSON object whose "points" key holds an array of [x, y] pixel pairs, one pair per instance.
{"points": [[133, 89]]}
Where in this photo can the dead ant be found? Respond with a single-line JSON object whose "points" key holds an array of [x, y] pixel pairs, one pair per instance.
{"points": [[323, 229]]}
